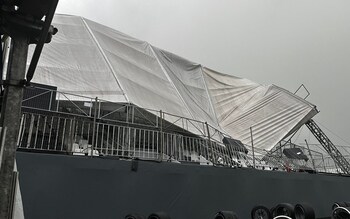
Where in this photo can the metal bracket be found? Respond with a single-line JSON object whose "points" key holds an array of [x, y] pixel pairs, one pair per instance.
{"points": [[307, 91], [16, 83]]}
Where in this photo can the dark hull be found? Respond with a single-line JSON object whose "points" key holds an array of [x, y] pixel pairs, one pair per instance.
{"points": [[60, 186]]}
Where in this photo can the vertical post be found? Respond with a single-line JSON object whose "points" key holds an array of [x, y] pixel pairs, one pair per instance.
{"points": [[71, 137], [209, 143], [2, 143], [5, 57], [251, 139], [132, 114], [312, 159], [324, 165], [161, 136], [131, 131], [90, 108], [280, 149], [10, 118], [204, 128], [94, 128], [50, 103], [127, 114], [157, 122], [13, 194], [58, 100], [99, 108]]}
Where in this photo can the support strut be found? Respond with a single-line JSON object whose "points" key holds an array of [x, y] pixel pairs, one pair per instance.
{"points": [[327, 144]]}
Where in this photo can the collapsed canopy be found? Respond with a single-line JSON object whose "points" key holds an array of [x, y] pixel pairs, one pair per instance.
{"points": [[90, 59]]}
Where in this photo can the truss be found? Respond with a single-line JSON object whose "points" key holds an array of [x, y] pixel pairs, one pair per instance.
{"points": [[331, 149]]}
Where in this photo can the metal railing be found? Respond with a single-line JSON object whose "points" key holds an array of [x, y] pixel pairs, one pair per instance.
{"points": [[75, 135], [81, 125], [59, 133]]}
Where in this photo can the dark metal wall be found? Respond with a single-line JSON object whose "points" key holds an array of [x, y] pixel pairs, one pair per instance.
{"points": [[60, 186]]}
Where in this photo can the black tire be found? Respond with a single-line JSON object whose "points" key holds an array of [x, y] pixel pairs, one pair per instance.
{"points": [[335, 205], [226, 215], [260, 212], [134, 216], [340, 204], [284, 209], [159, 215], [304, 211], [341, 213], [272, 210]]}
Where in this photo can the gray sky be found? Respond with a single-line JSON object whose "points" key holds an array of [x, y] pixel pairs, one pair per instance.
{"points": [[286, 43]]}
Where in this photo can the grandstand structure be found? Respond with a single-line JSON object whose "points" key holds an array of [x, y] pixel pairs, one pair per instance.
{"points": [[104, 92]]}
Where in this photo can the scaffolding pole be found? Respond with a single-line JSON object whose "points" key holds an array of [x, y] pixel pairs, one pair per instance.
{"points": [[10, 118]]}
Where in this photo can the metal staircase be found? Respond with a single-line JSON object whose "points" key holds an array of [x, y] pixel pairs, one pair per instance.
{"points": [[332, 150]]}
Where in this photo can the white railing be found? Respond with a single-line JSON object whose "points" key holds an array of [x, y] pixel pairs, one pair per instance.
{"points": [[76, 135], [81, 125]]}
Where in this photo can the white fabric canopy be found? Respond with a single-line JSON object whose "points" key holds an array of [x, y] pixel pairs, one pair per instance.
{"points": [[90, 59]]}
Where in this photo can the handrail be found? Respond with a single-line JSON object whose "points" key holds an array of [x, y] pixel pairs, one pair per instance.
{"points": [[220, 154]]}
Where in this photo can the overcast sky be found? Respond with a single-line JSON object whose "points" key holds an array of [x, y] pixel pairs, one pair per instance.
{"points": [[287, 43]]}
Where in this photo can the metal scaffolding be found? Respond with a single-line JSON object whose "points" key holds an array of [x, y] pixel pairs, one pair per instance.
{"points": [[327, 144]]}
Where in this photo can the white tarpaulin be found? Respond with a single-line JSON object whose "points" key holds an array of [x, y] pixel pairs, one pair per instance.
{"points": [[90, 59], [74, 63]]}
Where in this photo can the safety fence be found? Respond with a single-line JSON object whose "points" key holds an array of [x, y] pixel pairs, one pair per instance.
{"points": [[67, 123], [81, 135]]}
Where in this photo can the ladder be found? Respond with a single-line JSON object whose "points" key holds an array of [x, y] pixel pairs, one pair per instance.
{"points": [[332, 150]]}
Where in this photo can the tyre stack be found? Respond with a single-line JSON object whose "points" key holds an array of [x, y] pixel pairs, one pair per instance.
{"points": [[283, 211], [341, 210], [157, 215]]}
